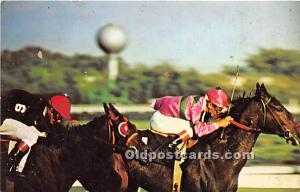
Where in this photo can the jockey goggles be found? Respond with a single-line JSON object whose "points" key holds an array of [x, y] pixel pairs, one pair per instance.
{"points": [[220, 109]]}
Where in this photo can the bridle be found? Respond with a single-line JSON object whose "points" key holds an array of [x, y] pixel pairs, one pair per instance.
{"points": [[112, 137], [287, 134], [129, 139]]}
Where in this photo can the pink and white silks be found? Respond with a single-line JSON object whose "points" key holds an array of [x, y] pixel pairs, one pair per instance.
{"points": [[177, 113]]}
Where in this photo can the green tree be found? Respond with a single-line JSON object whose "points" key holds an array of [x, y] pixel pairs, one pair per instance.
{"points": [[276, 60]]}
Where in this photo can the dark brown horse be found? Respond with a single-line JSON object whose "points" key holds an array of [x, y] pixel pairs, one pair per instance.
{"points": [[84, 153], [262, 113]]}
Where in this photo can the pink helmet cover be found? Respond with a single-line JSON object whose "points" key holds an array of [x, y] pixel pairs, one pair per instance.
{"points": [[218, 97]]}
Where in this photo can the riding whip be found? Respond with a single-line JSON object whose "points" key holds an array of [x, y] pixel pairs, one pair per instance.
{"points": [[232, 94]]}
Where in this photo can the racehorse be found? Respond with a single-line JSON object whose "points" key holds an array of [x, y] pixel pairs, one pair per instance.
{"points": [[84, 153], [261, 113]]}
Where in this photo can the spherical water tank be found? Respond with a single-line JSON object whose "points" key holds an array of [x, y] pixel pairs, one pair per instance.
{"points": [[112, 38]]}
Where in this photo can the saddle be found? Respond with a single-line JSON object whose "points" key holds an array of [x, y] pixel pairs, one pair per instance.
{"points": [[163, 138]]}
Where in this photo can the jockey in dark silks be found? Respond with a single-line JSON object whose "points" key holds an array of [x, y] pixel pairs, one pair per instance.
{"points": [[25, 117]]}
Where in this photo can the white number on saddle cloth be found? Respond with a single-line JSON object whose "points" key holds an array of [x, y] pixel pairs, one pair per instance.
{"points": [[20, 108], [123, 129]]}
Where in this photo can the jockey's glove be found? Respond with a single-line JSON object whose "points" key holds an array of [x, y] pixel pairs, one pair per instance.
{"points": [[224, 122]]}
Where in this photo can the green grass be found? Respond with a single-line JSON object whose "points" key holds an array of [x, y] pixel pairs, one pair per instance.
{"points": [[77, 189], [271, 149], [141, 124]]}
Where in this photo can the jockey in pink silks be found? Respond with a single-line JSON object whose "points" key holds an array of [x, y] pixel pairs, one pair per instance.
{"points": [[189, 115]]}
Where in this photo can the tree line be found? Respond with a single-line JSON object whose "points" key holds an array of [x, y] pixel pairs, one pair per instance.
{"points": [[85, 79]]}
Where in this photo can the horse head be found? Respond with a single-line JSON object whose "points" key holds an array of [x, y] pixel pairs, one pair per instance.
{"points": [[124, 133], [273, 117]]}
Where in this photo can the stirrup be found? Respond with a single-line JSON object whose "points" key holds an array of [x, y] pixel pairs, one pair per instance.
{"points": [[175, 149]]}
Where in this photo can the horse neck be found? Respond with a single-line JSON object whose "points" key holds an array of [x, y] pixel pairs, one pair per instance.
{"points": [[238, 140], [89, 155], [235, 140]]}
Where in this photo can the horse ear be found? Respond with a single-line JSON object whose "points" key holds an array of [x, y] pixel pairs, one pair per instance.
{"points": [[114, 110], [109, 111], [257, 87], [264, 91], [258, 90], [263, 88], [106, 109]]}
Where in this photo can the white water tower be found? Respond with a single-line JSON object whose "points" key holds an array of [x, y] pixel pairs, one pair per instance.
{"points": [[112, 40]]}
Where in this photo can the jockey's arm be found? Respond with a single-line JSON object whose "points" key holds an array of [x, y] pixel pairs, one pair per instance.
{"points": [[17, 129], [72, 123], [205, 128]]}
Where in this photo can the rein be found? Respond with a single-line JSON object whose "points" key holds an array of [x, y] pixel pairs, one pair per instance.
{"points": [[249, 129], [244, 127]]}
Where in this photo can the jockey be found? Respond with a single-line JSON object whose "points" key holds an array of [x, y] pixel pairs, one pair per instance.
{"points": [[189, 115], [26, 117]]}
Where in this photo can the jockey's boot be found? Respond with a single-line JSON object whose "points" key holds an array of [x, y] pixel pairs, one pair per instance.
{"points": [[180, 138], [15, 156]]}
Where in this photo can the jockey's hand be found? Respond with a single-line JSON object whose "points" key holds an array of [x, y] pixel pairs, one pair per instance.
{"points": [[224, 122], [72, 123]]}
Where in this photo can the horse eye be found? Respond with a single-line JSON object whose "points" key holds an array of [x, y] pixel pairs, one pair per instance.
{"points": [[279, 109]]}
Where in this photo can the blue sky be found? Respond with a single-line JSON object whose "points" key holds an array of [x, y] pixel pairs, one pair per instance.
{"points": [[203, 35]]}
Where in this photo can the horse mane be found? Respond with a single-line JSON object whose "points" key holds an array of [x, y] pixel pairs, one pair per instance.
{"points": [[89, 125], [239, 104], [89, 129]]}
